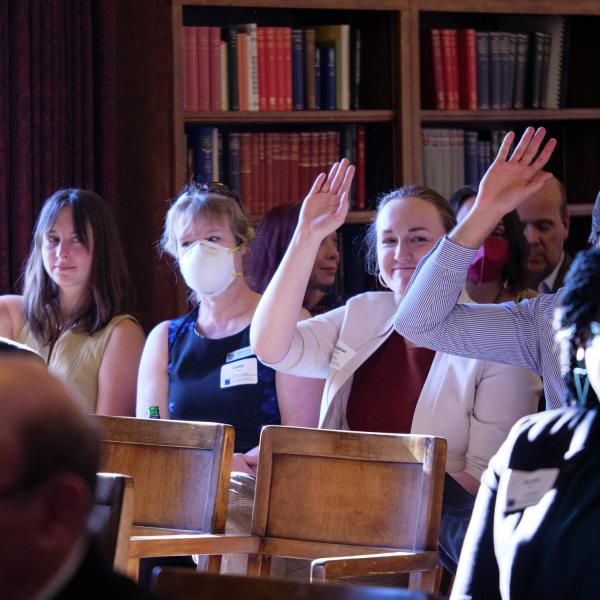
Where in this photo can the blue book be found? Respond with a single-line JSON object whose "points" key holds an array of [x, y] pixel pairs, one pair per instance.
{"points": [[317, 79], [233, 162], [328, 81], [471, 159], [297, 69], [483, 70], [495, 70], [203, 154]]}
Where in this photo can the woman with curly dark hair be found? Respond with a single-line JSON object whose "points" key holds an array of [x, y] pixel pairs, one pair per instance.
{"points": [[532, 532]]}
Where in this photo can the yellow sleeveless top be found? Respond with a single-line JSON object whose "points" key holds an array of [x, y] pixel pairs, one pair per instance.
{"points": [[76, 356]]}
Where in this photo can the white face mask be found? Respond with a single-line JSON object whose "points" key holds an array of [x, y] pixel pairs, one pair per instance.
{"points": [[207, 267]]}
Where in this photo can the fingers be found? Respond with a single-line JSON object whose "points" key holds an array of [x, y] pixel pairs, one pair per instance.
{"points": [[537, 183], [316, 186], [339, 176], [348, 177], [545, 155], [505, 147], [534, 146], [335, 167]]}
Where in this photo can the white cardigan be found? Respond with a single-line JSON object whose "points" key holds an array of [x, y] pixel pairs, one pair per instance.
{"points": [[471, 403]]}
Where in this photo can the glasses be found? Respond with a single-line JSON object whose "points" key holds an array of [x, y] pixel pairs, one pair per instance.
{"points": [[216, 187]]}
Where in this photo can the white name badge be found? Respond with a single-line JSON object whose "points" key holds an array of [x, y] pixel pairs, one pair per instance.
{"points": [[240, 353], [341, 355], [526, 488], [241, 372]]}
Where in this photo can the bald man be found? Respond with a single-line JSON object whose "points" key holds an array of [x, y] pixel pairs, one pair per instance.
{"points": [[546, 227], [50, 454]]}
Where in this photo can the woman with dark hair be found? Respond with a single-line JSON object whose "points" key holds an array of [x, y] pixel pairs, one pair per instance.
{"points": [[498, 270], [533, 529], [273, 235], [76, 293]]}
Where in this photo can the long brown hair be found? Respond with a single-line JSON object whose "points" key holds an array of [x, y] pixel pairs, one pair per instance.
{"points": [[109, 287]]}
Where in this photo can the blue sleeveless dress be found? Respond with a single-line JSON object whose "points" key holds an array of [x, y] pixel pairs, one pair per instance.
{"points": [[220, 380]]}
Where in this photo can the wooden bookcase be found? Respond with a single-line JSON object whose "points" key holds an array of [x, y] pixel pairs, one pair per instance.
{"points": [[391, 88]]}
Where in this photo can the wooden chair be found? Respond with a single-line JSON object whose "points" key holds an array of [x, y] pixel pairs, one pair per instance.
{"points": [[181, 472], [111, 517], [323, 493], [186, 584]]}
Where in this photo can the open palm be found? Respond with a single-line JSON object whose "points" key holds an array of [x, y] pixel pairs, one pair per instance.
{"points": [[510, 180], [325, 207]]}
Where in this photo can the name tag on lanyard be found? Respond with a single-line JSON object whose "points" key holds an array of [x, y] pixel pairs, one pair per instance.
{"points": [[240, 372]]}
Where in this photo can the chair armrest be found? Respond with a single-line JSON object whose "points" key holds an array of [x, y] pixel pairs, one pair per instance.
{"points": [[334, 568], [184, 544]]}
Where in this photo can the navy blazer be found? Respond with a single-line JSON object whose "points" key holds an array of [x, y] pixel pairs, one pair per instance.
{"points": [[551, 548]]}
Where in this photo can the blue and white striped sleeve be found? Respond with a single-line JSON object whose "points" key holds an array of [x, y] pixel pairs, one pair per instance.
{"points": [[429, 315]]}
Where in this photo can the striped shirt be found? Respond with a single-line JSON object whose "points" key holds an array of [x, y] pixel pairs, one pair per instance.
{"points": [[515, 334]]}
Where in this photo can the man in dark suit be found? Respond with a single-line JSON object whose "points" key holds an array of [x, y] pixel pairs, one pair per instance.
{"points": [[546, 227], [50, 455]]}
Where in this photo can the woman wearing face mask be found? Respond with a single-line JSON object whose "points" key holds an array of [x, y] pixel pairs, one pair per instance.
{"points": [[273, 236], [76, 293], [375, 379], [200, 367], [532, 533], [498, 270]]}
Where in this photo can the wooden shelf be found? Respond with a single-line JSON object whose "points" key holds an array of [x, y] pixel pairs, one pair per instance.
{"points": [[305, 4], [530, 114], [580, 210], [298, 116], [509, 6]]}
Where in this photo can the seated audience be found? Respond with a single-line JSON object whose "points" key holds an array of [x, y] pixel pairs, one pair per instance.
{"points": [[375, 379], [546, 227], [499, 269], [515, 334], [75, 296], [273, 236], [50, 455], [533, 532]]}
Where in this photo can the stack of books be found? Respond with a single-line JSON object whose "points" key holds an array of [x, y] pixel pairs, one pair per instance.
{"points": [[254, 68]]}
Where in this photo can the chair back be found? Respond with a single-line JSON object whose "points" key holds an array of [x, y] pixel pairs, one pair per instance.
{"points": [[187, 584], [334, 493], [111, 517], [181, 469]]}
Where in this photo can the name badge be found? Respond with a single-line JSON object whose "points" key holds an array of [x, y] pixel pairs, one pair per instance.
{"points": [[241, 372], [526, 488], [341, 355], [240, 353]]}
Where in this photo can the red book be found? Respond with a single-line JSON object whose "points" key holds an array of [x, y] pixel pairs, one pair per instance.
{"points": [[284, 148], [255, 166], [262, 173], [280, 68], [277, 174], [315, 156], [243, 83], [467, 59], [215, 68], [305, 173], [202, 44], [246, 173], [295, 190], [323, 152], [333, 147], [450, 65], [438, 69], [287, 67], [360, 202], [261, 44], [269, 170], [271, 75], [190, 69]]}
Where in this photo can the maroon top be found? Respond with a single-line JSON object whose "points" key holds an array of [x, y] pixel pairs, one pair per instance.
{"points": [[387, 386]]}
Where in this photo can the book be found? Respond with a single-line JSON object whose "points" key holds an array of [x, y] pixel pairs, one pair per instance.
{"points": [[450, 67], [471, 159], [545, 65], [252, 65], [339, 37], [360, 199], [246, 172], [224, 76], [232, 58], [536, 64], [294, 186], [202, 45], [318, 79], [190, 68], [495, 71], [255, 178], [214, 47], [511, 67], [233, 162], [467, 57], [287, 68], [309, 69], [297, 69], [262, 68], [280, 75], [522, 55], [504, 69], [203, 154], [271, 73], [242, 62], [439, 85], [483, 69], [355, 66], [328, 81]]}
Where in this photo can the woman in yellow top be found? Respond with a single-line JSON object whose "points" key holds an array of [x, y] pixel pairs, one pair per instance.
{"points": [[73, 307]]}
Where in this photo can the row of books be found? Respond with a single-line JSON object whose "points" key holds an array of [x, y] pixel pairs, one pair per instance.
{"points": [[270, 168], [252, 68], [456, 157], [470, 70]]}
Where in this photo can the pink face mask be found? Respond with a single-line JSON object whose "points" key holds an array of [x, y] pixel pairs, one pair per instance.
{"points": [[489, 262]]}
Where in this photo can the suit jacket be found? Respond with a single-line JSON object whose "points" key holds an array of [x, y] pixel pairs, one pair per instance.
{"points": [[548, 547], [95, 580], [471, 403], [560, 276]]}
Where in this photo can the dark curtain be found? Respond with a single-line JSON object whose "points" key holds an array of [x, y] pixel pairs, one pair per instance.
{"points": [[57, 112]]}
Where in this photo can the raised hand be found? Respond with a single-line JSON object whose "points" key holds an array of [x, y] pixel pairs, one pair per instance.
{"points": [[325, 207], [510, 180]]}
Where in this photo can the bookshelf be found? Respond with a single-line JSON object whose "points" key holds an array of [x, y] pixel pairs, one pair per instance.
{"points": [[392, 106]]}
